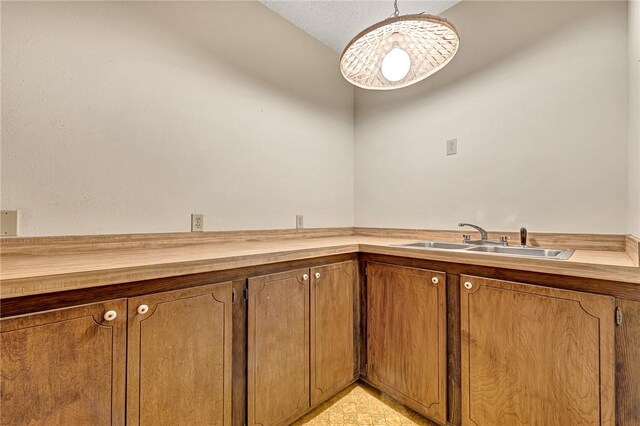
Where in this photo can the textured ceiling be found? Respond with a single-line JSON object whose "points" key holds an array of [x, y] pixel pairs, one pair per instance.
{"points": [[335, 22]]}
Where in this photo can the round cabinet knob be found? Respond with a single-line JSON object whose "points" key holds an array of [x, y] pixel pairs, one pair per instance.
{"points": [[317, 274], [305, 277], [435, 280], [110, 315], [143, 309], [468, 285]]}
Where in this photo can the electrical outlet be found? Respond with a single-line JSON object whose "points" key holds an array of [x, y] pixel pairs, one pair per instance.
{"points": [[452, 146], [9, 223], [197, 222], [299, 221]]}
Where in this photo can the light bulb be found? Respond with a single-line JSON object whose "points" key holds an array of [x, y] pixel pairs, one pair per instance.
{"points": [[395, 64]]}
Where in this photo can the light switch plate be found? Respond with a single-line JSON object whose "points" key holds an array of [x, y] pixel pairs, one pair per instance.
{"points": [[9, 223], [452, 146]]}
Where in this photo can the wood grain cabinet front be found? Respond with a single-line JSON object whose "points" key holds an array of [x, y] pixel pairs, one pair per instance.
{"points": [[179, 357], [64, 367], [628, 363], [301, 340], [333, 322], [278, 348], [406, 336], [535, 356]]}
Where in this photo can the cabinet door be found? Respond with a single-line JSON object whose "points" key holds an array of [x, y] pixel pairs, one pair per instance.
{"points": [[535, 355], [65, 367], [628, 363], [406, 336], [179, 359], [278, 348], [333, 360]]}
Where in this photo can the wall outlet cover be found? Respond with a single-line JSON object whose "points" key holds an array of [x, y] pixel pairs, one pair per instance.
{"points": [[8, 223], [452, 146], [197, 222], [299, 221]]}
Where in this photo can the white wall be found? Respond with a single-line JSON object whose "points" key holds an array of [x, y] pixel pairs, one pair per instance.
{"points": [[634, 117], [126, 117], [538, 99], [123, 117]]}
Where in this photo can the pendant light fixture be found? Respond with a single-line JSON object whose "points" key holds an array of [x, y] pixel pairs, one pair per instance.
{"points": [[399, 51]]}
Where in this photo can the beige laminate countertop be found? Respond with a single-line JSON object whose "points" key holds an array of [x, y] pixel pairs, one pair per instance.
{"points": [[38, 272]]}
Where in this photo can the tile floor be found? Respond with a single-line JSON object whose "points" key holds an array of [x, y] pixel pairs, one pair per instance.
{"points": [[360, 404]]}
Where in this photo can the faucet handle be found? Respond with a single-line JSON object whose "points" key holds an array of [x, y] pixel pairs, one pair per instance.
{"points": [[466, 238], [504, 239], [523, 237]]}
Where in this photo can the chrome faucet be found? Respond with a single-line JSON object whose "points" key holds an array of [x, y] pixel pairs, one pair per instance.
{"points": [[483, 233], [484, 237]]}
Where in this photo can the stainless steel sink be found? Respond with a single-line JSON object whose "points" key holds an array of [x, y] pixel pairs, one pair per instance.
{"points": [[435, 245], [561, 254], [525, 251]]}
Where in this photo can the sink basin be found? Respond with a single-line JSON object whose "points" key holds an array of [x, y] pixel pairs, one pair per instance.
{"points": [[525, 251], [435, 245], [493, 248]]}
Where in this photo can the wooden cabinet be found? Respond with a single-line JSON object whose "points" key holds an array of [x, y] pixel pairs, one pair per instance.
{"points": [[333, 322], [519, 354], [70, 366], [535, 355], [628, 363], [406, 336], [166, 358], [179, 357], [65, 367], [301, 340], [278, 348]]}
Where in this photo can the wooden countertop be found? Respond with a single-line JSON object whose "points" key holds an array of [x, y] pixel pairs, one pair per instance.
{"points": [[38, 268]]}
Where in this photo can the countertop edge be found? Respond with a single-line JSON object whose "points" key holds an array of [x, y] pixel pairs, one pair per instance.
{"points": [[27, 286], [624, 274], [103, 277]]}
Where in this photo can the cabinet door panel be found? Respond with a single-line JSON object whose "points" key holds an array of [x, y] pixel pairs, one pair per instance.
{"points": [[535, 356], [180, 357], [64, 367], [406, 336], [278, 348], [628, 364], [332, 329]]}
